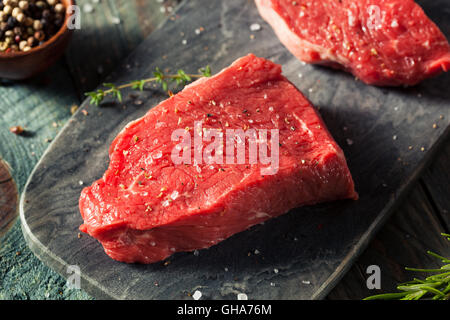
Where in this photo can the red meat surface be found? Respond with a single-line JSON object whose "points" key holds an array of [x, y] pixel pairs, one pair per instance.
{"points": [[382, 42], [146, 207]]}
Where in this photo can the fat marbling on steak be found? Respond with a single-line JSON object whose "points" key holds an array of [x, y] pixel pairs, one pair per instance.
{"points": [[146, 207], [382, 42]]}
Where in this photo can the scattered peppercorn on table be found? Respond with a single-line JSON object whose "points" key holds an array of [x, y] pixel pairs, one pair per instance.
{"points": [[34, 111]]}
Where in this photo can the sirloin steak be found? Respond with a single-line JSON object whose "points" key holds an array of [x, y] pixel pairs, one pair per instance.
{"points": [[146, 207], [382, 42]]}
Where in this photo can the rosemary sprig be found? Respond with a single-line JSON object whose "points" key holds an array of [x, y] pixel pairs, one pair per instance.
{"points": [[180, 78], [436, 287]]}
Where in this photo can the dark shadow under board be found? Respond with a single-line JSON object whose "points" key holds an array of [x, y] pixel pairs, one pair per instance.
{"points": [[302, 254]]}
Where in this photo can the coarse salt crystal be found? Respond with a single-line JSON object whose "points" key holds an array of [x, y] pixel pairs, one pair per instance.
{"points": [[242, 296], [158, 155], [410, 62], [351, 19], [88, 8], [255, 27], [197, 295], [166, 203], [115, 20], [174, 195]]}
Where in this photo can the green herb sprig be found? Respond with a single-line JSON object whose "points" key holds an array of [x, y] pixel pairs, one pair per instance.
{"points": [[180, 78], [435, 287]]}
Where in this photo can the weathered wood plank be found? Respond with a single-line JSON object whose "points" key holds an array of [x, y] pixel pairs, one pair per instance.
{"points": [[8, 198], [436, 182], [41, 106], [412, 230]]}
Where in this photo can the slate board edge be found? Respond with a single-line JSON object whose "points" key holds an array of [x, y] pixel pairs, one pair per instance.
{"points": [[55, 263]]}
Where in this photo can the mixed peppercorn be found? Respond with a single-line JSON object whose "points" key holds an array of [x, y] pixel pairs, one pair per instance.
{"points": [[25, 24]]}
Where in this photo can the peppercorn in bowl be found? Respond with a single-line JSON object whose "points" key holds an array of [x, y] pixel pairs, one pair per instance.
{"points": [[33, 35]]}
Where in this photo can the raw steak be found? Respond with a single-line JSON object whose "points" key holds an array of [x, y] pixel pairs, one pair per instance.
{"points": [[146, 207], [382, 42]]}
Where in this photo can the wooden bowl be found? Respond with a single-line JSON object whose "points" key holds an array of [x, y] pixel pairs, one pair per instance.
{"points": [[21, 65]]}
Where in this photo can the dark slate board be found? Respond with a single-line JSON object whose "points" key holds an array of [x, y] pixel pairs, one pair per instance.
{"points": [[311, 248]]}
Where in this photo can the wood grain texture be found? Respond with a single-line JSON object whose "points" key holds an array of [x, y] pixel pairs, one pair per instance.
{"points": [[421, 218], [9, 199], [436, 184], [311, 247], [107, 36], [412, 230], [41, 105]]}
